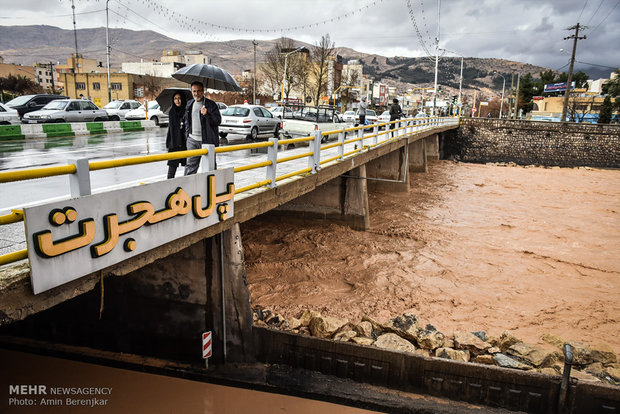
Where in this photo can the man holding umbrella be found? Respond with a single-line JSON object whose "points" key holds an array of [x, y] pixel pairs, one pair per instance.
{"points": [[202, 119]]}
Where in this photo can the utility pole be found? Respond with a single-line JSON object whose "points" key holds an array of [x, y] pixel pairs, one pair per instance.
{"points": [[52, 72], [436, 59], [512, 91], [75, 64], [570, 68], [517, 96], [254, 42], [107, 50]]}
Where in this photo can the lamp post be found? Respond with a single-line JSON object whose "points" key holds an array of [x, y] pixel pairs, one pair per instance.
{"points": [[460, 80], [285, 62], [107, 38], [501, 105]]}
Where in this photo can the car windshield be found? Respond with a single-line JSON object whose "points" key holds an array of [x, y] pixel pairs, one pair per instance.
{"points": [[349, 113], [20, 100], [153, 105], [385, 113], [113, 105], [236, 111], [57, 104], [370, 112]]}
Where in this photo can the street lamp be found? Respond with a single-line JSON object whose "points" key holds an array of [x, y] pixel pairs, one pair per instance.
{"points": [[285, 62], [107, 37], [501, 105], [460, 81]]}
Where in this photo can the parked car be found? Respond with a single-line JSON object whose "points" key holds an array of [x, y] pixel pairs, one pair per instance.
{"points": [[29, 103], [8, 115], [278, 111], [66, 110], [384, 117], [371, 117], [309, 119], [155, 114], [222, 106], [349, 116], [250, 120], [116, 110]]}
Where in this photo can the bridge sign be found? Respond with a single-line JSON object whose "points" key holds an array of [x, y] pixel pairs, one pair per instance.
{"points": [[73, 238]]}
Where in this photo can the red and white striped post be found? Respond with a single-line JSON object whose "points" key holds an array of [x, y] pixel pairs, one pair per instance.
{"points": [[206, 347]]}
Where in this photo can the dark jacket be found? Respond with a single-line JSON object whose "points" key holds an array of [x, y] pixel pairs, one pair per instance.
{"points": [[209, 122], [176, 139], [395, 112]]}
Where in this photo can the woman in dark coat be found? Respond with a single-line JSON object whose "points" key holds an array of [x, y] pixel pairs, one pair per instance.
{"points": [[175, 140]]}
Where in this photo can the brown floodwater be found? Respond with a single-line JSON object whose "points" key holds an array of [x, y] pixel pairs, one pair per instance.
{"points": [[122, 391], [471, 247]]}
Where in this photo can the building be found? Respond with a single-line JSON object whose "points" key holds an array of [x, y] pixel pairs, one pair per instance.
{"points": [[189, 58], [45, 74], [379, 94], [334, 74], [7, 69], [159, 69], [80, 65], [123, 86], [582, 107]]}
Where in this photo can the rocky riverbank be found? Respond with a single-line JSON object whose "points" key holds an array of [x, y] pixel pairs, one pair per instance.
{"points": [[406, 333]]}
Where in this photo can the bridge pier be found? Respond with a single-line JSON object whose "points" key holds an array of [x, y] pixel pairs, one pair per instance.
{"points": [[389, 172], [417, 156], [342, 200], [432, 147]]}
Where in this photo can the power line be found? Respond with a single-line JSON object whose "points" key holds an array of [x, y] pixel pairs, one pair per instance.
{"points": [[594, 64], [606, 16], [582, 9], [596, 11]]}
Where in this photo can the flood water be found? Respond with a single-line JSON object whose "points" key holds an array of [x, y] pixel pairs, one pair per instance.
{"points": [[122, 391], [471, 247]]}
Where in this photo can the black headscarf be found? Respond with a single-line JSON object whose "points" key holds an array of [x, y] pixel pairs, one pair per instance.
{"points": [[175, 140]]}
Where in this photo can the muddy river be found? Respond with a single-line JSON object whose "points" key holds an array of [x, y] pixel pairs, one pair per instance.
{"points": [[470, 247]]}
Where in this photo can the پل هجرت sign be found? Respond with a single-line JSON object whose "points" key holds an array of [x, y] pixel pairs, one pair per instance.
{"points": [[73, 238]]}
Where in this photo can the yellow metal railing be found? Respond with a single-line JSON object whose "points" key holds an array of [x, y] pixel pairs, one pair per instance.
{"points": [[417, 125]]}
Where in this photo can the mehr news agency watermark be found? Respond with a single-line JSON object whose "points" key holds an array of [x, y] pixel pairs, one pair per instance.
{"points": [[44, 396]]}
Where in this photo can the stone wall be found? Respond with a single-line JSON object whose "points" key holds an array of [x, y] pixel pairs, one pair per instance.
{"points": [[532, 142]]}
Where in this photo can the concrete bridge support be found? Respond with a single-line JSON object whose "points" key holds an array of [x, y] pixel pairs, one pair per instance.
{"points": [[432, 147], [389, 172], [342, 200], [417, 156]]}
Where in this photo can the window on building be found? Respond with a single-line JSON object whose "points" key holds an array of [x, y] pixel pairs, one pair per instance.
{"points": [[96, 86], [117, 86], [138, 92], [80, 85]]}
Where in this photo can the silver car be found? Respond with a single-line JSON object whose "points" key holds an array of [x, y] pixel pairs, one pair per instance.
{"points": [[249, 120], [155, 114], [66, 110], [116, 110], [8, 115]]}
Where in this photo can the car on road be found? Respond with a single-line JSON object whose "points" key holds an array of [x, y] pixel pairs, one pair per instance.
{"points": [[278, 111], [222, 106], [30, 103], [384, 117], [116, 110], [66, 110], [349, 116], [8, 115], [155, 114], [371, 117], [249, 120]]}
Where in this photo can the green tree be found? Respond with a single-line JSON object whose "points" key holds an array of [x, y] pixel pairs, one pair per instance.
{"points": [[612, 88], [528, 88], [606, 110], [580, 78]]}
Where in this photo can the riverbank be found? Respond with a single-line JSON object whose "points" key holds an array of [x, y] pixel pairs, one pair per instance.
{"points": [[470, 248]]}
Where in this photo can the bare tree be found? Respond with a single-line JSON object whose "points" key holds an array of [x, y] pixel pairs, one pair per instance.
{"points": [[320, 55], [349, 78], [152, 86], [272, 71], [579, 107]]}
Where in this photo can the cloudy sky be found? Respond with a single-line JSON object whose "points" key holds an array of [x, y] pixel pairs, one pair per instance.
{"points": [[529, 31]]}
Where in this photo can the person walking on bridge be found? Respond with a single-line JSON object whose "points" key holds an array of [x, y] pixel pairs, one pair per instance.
{"points": [[362, 110], [175, 138], [395, 113], [202, 119]]}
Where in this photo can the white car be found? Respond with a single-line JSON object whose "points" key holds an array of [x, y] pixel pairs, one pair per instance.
{"points": [[277, 111], [349, 116], [249, 120], [155, 114], [371, 117], [384, 117], [117, 110], [8, 115]]}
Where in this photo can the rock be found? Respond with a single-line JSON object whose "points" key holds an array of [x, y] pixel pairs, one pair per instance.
{"points": [[259, 323], [274, 320], [581, 353], [448, 342], [481, 334], [613, 372], [484, 359], [533, 354], [325, 326], [422, 352], [553, 340], [431, 338], [306, 315], [394, 342], [594, 369], [602, 353], [494, 350], [493, 340], [376, 326], [469, 341], [548, 371], [405, 326], [363, 329], [294, 323], [452, 354], [344, 336], [506, 340], [583, 376], [304, 330], [507, 362], [363, 341]]}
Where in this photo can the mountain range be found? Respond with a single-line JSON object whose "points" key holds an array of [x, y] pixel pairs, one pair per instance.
{"points": [[27, 45]]}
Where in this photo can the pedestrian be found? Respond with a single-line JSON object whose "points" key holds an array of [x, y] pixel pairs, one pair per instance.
{"points": [[395, 113], [175, 139], [362, 110], [202, 119]]}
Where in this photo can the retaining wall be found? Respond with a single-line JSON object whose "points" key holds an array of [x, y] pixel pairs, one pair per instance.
{"points": [[532, 142], [8, 132]]}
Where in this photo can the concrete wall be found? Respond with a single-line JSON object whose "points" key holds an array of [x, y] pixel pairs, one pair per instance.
{"points": [[531, 142]]}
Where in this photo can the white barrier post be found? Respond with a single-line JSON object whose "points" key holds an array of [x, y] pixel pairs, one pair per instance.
{"points": [[80, 181], [341, 136], [272, 155], [208, 161]]}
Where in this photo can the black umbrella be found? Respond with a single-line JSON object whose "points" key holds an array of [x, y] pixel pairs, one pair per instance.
{"points": [[164, 99], [211, 76]]}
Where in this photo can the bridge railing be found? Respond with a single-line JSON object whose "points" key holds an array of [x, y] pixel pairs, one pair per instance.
{"points": [[365, 137]]}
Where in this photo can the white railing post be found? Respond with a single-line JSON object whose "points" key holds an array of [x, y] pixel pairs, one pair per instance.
{"points": [[208, 161], [375, 131], [360, 135], [341, 137], [79, 182], [272, 155], [314, 161]]}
